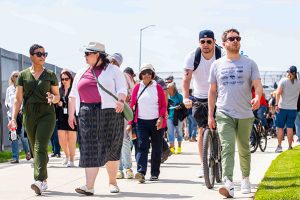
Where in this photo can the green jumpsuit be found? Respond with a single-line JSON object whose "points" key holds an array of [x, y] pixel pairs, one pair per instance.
{"points": [[38, 117]]}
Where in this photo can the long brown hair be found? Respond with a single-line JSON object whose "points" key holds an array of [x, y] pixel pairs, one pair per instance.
{"points": [[65, 72]]}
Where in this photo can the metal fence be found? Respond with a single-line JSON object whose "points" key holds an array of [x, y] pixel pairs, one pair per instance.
{"points": [[9, 62]]}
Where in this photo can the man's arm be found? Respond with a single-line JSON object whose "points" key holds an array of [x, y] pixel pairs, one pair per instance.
{"points": [[212, 96], [278, 94], [258, 93], [187, 77]]}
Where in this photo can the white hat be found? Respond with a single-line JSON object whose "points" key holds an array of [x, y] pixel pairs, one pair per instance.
{"points": [[147, 66], [117, 57], [94, 47]]}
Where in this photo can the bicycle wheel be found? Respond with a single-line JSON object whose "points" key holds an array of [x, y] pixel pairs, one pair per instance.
{"points": [[208, 159], [218, 163], [263, 140], [253, 140]]}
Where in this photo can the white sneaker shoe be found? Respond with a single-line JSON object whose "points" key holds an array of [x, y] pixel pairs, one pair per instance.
{"points": [[37, 187], [245, 186], [227, 190], [65, 161], [114, 188], [70, 164], [44, 186], [199, 173]]}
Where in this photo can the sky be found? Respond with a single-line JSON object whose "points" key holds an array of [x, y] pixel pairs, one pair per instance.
{"points": [[270, 29]]}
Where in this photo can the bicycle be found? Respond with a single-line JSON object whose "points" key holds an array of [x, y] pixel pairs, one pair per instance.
{"points": [[258, 137], [212, 165]]}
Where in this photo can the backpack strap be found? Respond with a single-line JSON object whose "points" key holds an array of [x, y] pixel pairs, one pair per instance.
{"points": [[197, 58], [218, 54]]}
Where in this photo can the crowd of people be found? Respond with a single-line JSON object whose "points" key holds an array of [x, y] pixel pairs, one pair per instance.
{"points": [[88, 109]]}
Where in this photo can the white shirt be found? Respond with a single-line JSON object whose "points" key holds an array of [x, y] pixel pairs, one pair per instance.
{"points": [[10, 98], [148, 102], [201, 74], [112, 79]]}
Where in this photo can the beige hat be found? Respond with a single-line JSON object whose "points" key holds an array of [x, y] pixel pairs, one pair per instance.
{"points": [[94, 47], [145, 67]]}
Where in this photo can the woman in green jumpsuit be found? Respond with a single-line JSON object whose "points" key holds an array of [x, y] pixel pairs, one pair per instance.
{"points": [[37, 88]]}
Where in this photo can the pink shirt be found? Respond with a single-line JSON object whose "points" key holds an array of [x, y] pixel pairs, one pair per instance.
{"points": [[87, 87]]}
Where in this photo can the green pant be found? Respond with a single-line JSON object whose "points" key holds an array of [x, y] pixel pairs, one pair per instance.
{"points": [[39, 123], [230, 129]]}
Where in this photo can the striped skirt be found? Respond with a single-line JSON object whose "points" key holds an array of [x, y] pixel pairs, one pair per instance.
{"points": [[100, 135]]}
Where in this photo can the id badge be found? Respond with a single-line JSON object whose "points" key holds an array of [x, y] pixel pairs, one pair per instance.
{"points": [[65, 111]]}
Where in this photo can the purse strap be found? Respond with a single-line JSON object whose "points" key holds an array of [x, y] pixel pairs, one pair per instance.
{"points": [[102, 87]]}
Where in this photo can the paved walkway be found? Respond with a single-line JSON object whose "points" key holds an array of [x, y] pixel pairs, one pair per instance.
{"points": [[177, 179]]}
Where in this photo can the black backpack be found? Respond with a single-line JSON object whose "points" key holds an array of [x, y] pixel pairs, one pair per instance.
{"points": [[218, 54]]}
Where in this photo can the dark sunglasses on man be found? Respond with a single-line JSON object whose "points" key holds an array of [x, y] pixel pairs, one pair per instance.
{"points": [[206, 41], [237, 38], [40, 54]]}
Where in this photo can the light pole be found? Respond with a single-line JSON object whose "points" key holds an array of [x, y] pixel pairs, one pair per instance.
{"points": [[140, 58]]}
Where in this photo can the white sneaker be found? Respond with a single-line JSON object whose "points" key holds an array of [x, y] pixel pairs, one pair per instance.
{"points": [[114, 188], [44, 186], [227, 190], [199, 173], [37, 187], [70, 164], [84, 190], [245, 186], [65, 161]]}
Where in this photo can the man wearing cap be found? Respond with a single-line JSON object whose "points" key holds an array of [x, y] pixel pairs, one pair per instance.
{"points": [[125, 160], [231, 78], [286, 105], [209, 52]]}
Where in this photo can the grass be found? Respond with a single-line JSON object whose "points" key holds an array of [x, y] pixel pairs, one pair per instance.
{"points": [[282, 180], [6, 156]]}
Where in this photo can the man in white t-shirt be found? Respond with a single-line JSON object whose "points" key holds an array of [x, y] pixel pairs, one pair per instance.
{"points": [[197, 65]]}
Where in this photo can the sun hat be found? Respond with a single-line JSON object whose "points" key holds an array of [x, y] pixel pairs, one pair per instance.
{"points": [[145, 67], [94, 47], [118, 58]]}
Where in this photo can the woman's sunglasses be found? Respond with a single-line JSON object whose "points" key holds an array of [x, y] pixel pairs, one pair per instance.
{"points": [[148, 71], [65, 79], [40, 54], [89, 53]]}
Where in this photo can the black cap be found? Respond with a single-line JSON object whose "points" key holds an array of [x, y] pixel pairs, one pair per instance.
{"points": [[129, 71], [206, 34], [292, 69]]}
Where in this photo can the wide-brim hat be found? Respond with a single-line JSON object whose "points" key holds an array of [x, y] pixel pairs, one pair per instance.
{"points": [[145, 67], [94, 47]]}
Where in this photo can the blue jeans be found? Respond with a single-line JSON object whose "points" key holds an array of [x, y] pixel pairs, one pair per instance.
{"points": [[171, 131], [297, 125], [125, 160], [146, 129], [261, 115], [55, 143], [192, 124], [15, 143]]}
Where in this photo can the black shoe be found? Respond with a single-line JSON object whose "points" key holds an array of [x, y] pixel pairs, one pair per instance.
{"points": [[165, 155], [53, 155], [140, 177], [58, 155], [28, 156], [14, 161], [153, 178]]}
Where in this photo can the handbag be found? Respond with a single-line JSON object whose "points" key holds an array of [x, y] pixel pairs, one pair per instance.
{"points": [[127, 112]]}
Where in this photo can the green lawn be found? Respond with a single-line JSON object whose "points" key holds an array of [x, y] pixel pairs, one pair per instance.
{"points": [[282, 180]]}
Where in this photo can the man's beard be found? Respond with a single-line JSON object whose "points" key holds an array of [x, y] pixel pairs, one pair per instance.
{"points": [[233, 50]]}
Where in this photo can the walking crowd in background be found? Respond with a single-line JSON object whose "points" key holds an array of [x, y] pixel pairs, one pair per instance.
{"points": [[87, 110]]}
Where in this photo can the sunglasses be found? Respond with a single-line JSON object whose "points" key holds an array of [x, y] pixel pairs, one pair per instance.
{"points": [[147, 71], [237, 38], [89, 53], [206, 41], [16, 76], [65, 79], [40, 54]]}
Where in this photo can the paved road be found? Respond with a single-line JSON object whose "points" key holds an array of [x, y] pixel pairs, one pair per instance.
{"points": [[177, 179]]}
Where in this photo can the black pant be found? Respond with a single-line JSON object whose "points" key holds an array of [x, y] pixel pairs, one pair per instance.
{"points": [[146, 129]]}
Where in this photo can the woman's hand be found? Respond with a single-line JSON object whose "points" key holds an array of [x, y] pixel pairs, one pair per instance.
{"points": [[128, 128], [50, 97], [159, 123], [11, 124], [119, 106], [72, 121]]}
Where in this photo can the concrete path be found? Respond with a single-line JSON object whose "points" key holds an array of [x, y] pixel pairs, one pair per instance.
{"points": [[177, 179]]}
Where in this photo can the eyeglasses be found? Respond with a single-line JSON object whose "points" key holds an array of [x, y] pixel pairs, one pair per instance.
{"points": [[206, 41], [88, 53], [40, 54], [16, 76], [147, 71], [237, 38], [65, 79]]}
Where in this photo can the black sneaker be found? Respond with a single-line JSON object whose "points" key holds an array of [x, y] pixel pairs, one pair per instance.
{"points": [[14, 161], [153, 178], [140, 177], [53, 155]]}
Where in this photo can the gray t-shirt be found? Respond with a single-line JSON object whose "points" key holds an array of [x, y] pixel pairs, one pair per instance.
{"points": [[234, 79], [290, 93]]}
